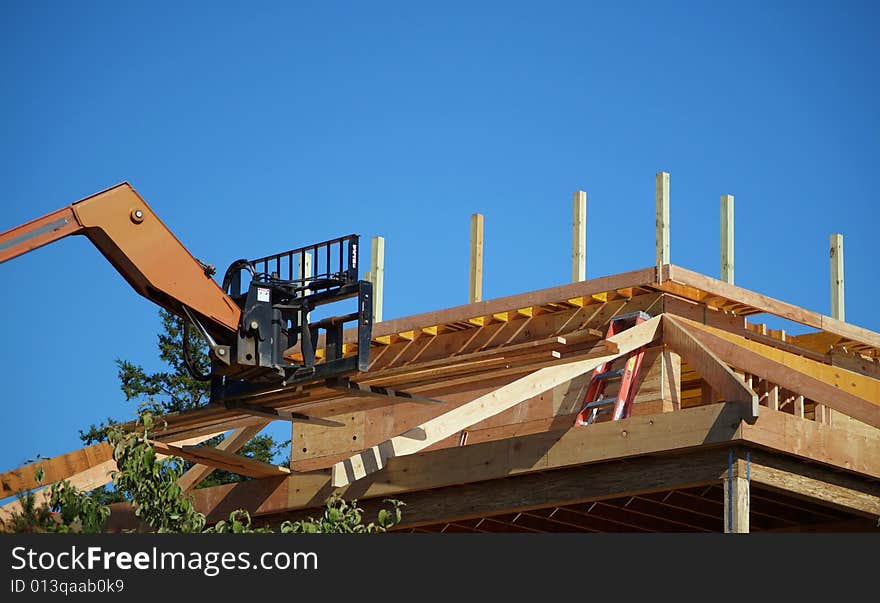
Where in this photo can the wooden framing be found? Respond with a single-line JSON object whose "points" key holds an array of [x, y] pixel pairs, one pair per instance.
{"points": [[475, 280], [579, 237], [231, 443], [447, 424], [715, 372], [377, 275], [727, 238], [662, 217], [467, 414], [851, 393], [716, 428], [836, 255]]}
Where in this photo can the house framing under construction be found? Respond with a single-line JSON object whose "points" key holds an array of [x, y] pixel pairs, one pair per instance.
{"points": [[469, 416]]}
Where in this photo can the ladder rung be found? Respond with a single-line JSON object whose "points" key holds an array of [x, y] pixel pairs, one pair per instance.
{"points": [[610, 374], [601, 402]]}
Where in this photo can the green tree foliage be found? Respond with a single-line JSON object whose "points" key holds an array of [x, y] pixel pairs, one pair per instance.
{"points": [[159, 502]]}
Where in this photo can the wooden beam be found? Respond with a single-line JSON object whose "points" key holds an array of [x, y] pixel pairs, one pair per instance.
{"points": [[579, 237], [475, 286], [627, 438], [701, 284], [727, 238], [712, 369], [54, 469], [483, 407], [836, 255], [662, 217], [362, 389], [850, 393], [65, 466], [221, 459], [815, 482], [84, 481], [377, 275], [231, 443], [84, 469], [831, 445], [268, 412], [560, 487]]}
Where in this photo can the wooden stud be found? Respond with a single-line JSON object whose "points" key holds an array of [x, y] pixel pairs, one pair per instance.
{"points": [[836, 253], [727, 238], [475, 289], [377, 275], [579, 237], [799, 406], [662, 217], [823, 414]]}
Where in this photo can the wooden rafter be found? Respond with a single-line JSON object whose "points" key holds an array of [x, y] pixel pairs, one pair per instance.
{"points": [[483, 407]]}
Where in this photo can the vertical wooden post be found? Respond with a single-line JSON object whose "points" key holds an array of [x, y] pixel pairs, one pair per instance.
{"points": [[727, 238], [837, 277], [772, 396], [823, 414], [662, 197], [475, 289], [736, 505], [579, 237], [799, 406], [377, 275]]}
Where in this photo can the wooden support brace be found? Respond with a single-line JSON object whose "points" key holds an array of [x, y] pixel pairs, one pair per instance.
{"points": [[712, 369], [736, 505], [483, 407], [221, 459], [231, 443]]}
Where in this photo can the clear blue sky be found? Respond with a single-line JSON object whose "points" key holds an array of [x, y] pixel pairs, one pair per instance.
{"points": [[252, 130]]}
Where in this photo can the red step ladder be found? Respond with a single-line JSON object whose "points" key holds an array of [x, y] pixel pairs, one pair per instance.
{"points": [[595, 402]]}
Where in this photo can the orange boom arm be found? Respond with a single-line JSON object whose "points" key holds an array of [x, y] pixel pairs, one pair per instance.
{"points": [[132, 238]]}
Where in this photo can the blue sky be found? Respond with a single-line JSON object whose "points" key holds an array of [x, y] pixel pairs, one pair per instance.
{"points": [[252, 130]]}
